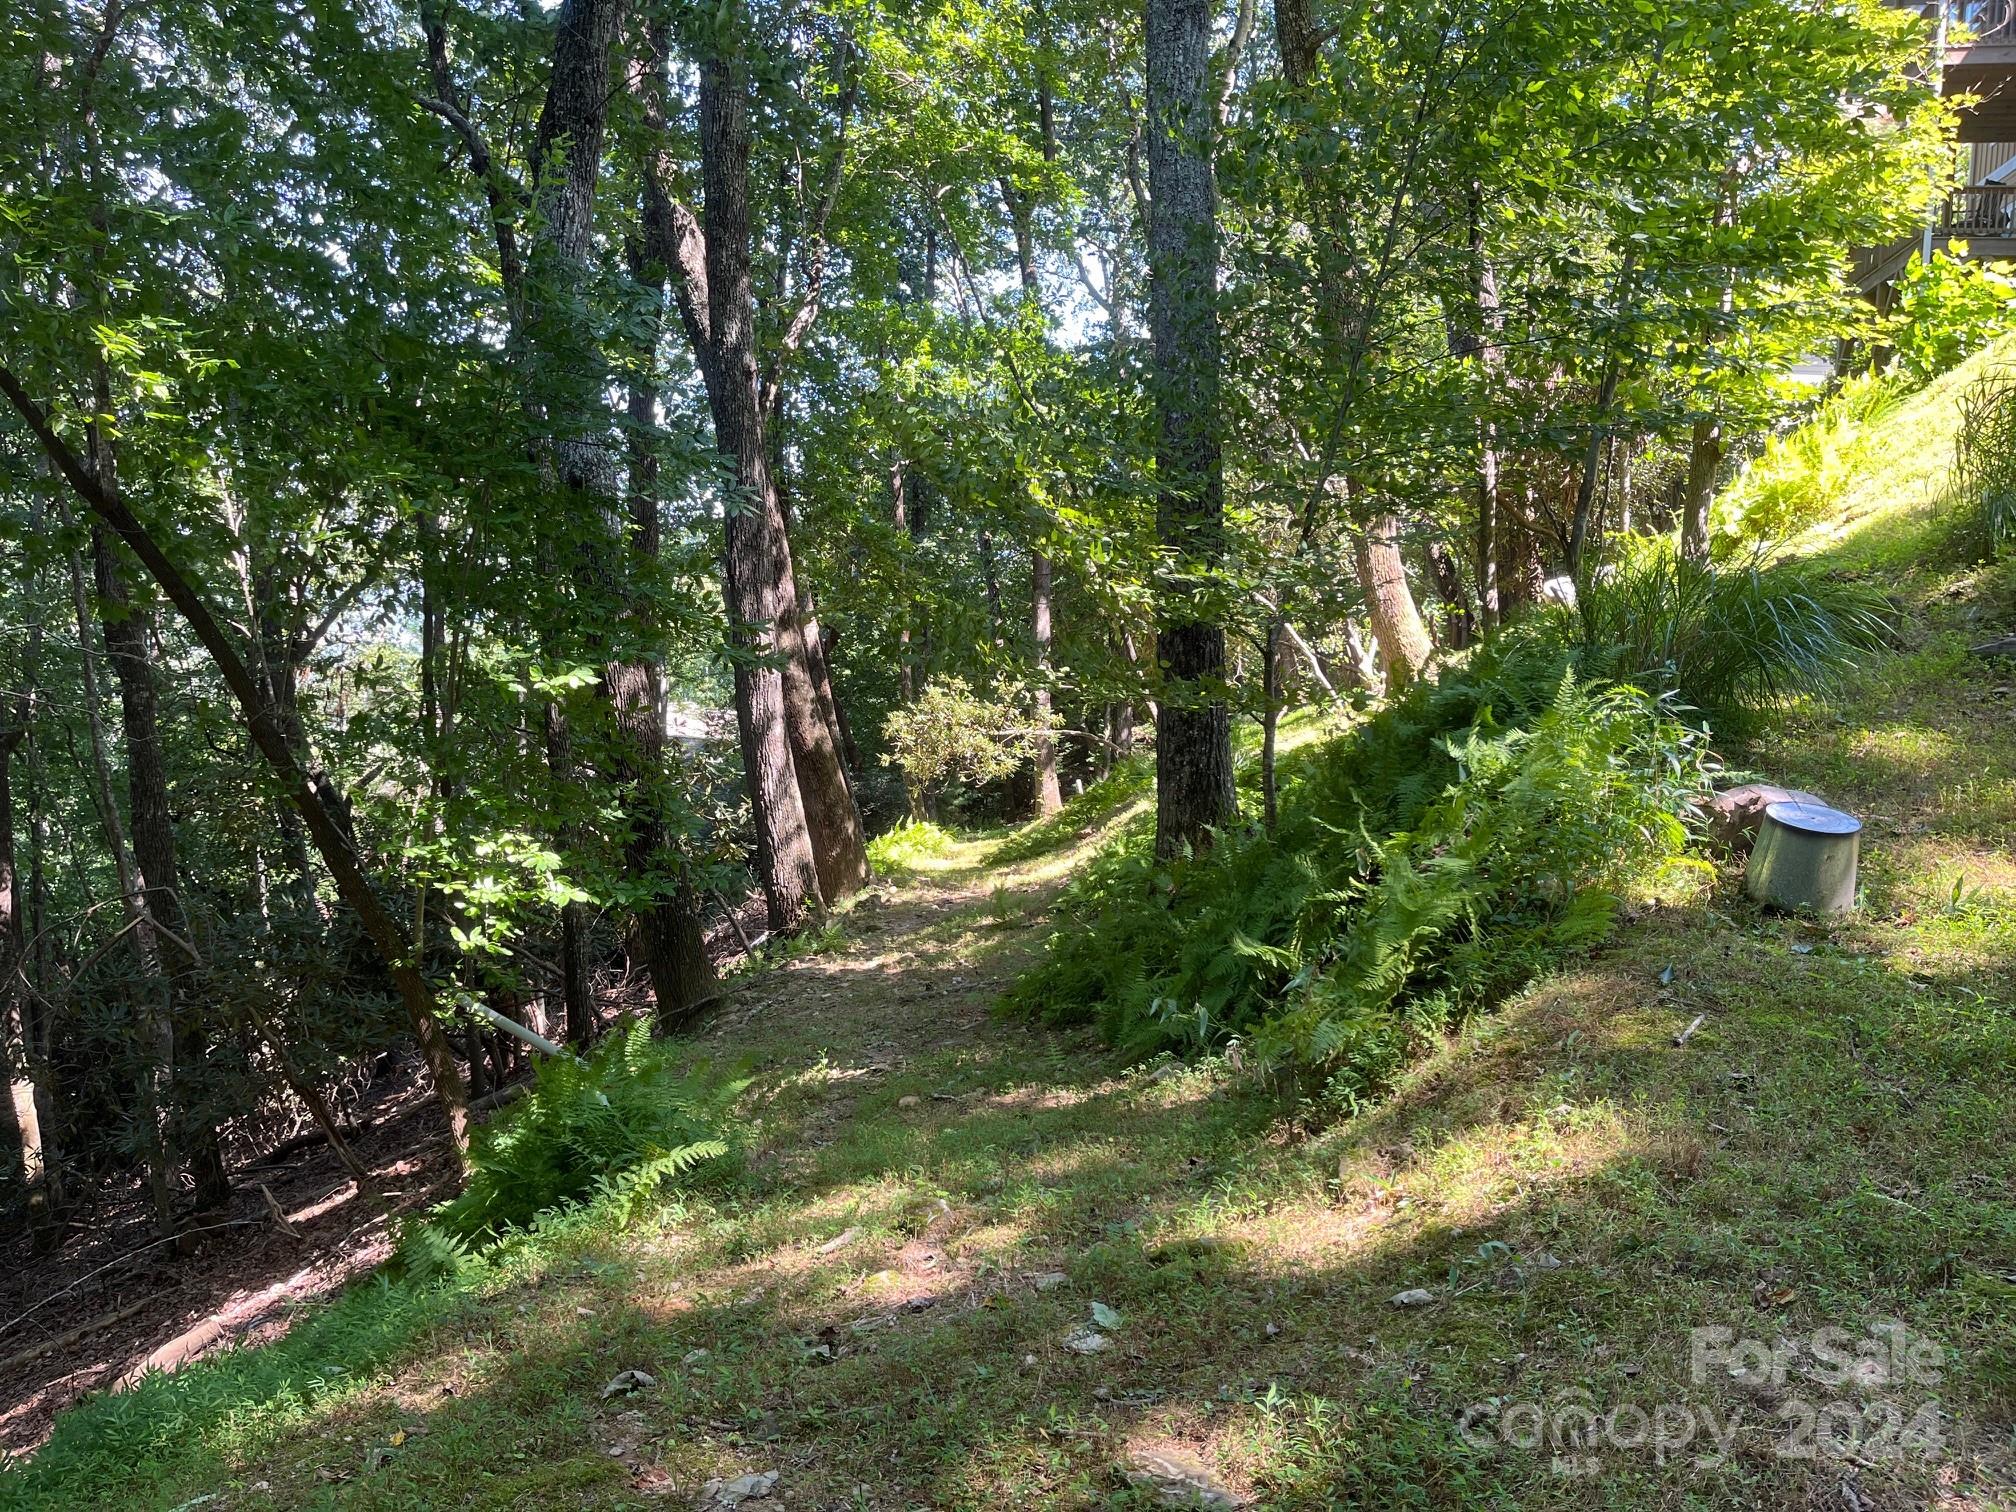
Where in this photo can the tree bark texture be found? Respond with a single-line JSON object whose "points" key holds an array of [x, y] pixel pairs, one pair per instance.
{"points": [[567, 357], [153, 1035], [1704, 461], [26, 1083], [762, 595], [157, 876], [1396, 622], [1404, 647], [1043, 747], [1193, 754], [668, 929]]}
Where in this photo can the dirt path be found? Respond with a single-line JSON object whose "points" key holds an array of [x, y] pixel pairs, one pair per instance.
{"points": [[920, 964], [903, 979]]}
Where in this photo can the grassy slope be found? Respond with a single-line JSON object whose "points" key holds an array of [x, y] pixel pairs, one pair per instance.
{"points": [[1833, 1146]]}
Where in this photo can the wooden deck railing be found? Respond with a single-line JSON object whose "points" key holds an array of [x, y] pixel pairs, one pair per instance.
{"points": [[1981, 211]]}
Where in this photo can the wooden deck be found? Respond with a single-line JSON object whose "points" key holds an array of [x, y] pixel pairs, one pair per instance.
{"points": [[1978, 223]]}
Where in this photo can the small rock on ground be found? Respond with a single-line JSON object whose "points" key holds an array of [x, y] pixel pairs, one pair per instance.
{"points": [[724, 1495], [627, 1381], [1178, 1479]]}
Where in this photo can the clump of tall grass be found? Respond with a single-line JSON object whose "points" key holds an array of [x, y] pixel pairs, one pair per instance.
{"points": [[1731, 639], [910, 846], [1984, 473]]}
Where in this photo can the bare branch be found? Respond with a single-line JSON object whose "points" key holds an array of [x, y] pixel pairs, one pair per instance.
{"points": [[1242, 33], [815, 247], [673, 237]]}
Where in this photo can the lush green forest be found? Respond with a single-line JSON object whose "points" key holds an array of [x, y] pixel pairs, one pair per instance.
{"points": [[1218, 545]]}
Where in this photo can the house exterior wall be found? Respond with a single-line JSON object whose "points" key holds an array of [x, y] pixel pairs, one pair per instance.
{"points": [[1987, 158]]}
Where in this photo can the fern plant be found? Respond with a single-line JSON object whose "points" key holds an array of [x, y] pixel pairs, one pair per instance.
{"points": [[1425, 863], [611, 1129]]}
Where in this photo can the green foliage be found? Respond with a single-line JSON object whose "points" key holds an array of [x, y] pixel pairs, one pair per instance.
{"points": [[909, 846], [610, 1129], [1729, 640], [1425, 863], [953, 733], [1984, 481], [1949, 310], [1804, 476]]}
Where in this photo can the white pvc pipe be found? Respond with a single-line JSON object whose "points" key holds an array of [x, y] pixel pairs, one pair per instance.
{"points": [[511, 1026]]}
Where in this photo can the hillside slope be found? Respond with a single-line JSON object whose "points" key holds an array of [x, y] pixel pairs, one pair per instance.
{"points": [[976, 1263]]}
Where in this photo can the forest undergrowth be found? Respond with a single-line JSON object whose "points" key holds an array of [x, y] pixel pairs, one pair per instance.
{"points": [[970, 1259]]}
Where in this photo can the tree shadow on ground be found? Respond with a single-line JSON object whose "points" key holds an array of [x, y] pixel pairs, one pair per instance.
{"points": [[1576, 1191]]}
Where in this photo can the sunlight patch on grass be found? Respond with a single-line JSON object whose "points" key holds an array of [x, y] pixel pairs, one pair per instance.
{"points": [[1885, 512]]}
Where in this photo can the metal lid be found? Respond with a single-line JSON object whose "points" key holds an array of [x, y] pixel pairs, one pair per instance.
{"points": [[1814, 818]]}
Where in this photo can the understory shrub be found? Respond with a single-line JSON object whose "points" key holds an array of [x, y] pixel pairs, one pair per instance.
{"points": [[610, 1129], [1426, 863], [1729, 640], [1949, 310], [908, 845]]}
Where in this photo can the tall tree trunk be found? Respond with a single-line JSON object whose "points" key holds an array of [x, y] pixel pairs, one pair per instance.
{"points": [[850, 752], [1396, 622], [1193, 751], [899, 516], [761, 591], [565, 387], [20, 1128], [839, 849], [1490, 340], [562, 366], [819, 663], [1599, 432], [577, 993], [809, 849], [276, 665], [1704, 461], [1043, 749], [839, 846], [1270, 722], [158, 877], [32, 966], [990, 579], [24, 1031], [668, 927], [1404, 647], [154, 1034], [1123, 714], [1449, 588], [29, 1113], [1704, 457]]}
